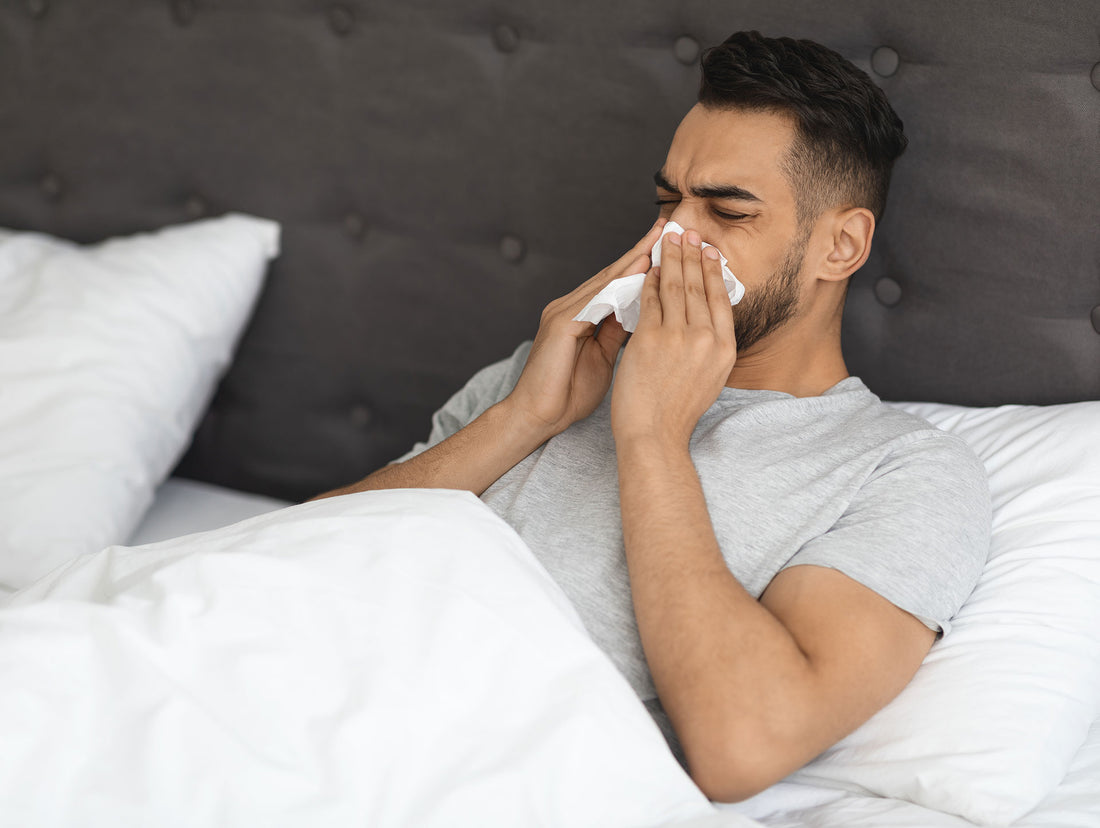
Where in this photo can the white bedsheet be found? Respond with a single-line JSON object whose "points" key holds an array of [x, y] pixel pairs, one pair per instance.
{"points": [[182, 507], [392, 658], [1075, 803]]}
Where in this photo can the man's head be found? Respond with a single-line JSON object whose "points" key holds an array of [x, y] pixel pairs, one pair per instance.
{"points": [[783, 165], [847, 136]]}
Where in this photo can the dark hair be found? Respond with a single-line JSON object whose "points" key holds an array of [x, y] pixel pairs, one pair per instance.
{"points": [[847, 135]]}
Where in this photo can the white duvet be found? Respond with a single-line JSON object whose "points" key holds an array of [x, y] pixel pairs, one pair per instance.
{"points": [[394, 658]]}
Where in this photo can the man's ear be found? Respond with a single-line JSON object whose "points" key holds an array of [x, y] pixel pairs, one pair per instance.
{"points": [[848, 243]]}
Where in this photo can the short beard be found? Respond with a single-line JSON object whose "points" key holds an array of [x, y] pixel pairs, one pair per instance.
{"points": [[774, 303]]}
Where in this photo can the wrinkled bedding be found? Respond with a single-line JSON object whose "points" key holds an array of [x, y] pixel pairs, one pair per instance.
{"points": [[1075, 803], [390, 658], [385, 659]]}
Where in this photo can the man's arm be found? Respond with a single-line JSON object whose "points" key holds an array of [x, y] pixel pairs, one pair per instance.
{"points": [[472, 459], [754, 689], [567, 374]]}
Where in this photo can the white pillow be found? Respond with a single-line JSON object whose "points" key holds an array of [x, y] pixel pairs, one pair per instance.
{"points": [[993, 718], [109, 354]]}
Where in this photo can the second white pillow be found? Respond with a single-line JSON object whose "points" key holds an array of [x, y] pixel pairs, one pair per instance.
{"points": [[109, 354], [993, 718]]}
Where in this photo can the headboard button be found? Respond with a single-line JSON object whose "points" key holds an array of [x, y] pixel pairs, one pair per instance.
{"points": [[341, 19], [512, 248], [355, 225], [195, 206], [183, 11], [1095, 76], [359, 415], [51, 186], [505, 38], [37, 8], [884, 61], [887, 291], [1096, 319], [686, 49]]}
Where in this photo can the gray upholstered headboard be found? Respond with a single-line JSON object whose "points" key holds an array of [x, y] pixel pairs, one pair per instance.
{"points": [[443, 168]]}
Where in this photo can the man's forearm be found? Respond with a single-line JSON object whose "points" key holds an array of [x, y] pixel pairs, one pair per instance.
{"points": [[728, 673], [472, 459]]}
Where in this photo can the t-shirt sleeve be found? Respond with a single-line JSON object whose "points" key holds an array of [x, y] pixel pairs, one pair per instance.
{"points": [[485, 389], [918, 530]]}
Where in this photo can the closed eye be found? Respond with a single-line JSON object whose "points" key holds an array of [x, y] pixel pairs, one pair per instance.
{"points": [[730, 216], [722, 214]]}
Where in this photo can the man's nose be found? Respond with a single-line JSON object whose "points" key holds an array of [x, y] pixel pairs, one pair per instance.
{"points": [[688, 216]]}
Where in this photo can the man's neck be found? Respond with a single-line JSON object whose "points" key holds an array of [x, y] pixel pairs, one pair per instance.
{"points": [[793, 364]]}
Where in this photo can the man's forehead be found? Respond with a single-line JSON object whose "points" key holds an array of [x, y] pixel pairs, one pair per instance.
{"points": [[731, 148]]}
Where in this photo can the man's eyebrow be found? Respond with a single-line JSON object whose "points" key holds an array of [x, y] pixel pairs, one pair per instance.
{"points": [[730, 191], [724, 191], [662, 182]]}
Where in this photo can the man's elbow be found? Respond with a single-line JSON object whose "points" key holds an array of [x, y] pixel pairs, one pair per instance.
{"points": [[726, 783], [733, 769]]}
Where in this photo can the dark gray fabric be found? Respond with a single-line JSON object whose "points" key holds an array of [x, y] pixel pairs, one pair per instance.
{"points": [[443, 168]]}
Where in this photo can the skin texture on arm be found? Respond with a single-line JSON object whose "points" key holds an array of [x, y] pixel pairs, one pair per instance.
{"points": [[754, 689], [567, 374]]}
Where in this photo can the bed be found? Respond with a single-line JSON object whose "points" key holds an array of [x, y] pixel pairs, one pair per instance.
{"points": [[246, 250]]}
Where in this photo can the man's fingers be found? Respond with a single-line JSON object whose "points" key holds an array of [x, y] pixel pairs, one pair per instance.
{"points": [[635, 260], [610, 337], [672, 279], [628, 263], [642, 248], [718, 299], [651, 311], [695, 293], [639, 265]]}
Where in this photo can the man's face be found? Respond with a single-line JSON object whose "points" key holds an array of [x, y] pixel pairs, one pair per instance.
{"points": [[723, 178]]}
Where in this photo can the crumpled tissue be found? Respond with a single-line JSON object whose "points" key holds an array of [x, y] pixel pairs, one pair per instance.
{"points": [[622, 297]]}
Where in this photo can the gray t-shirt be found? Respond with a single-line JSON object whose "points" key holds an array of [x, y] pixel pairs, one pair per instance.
{"points": [[840, 481]]}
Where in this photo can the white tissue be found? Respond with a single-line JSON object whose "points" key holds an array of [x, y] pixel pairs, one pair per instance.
{"points": [[622, 297]]}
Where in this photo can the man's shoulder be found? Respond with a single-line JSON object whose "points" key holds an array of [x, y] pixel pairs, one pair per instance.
{"points": [[919, 457], [889, 420], [904, 440]]}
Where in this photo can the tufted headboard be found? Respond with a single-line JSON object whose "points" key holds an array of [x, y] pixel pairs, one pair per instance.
{"points": [[443, 168]]}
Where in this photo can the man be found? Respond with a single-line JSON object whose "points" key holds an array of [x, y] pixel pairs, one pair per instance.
{"points": [[744, 528]]}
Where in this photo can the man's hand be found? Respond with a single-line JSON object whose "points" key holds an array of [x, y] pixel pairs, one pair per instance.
{"points": [[683, 349], [570, 365], [754, 689], [566, 376]]}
